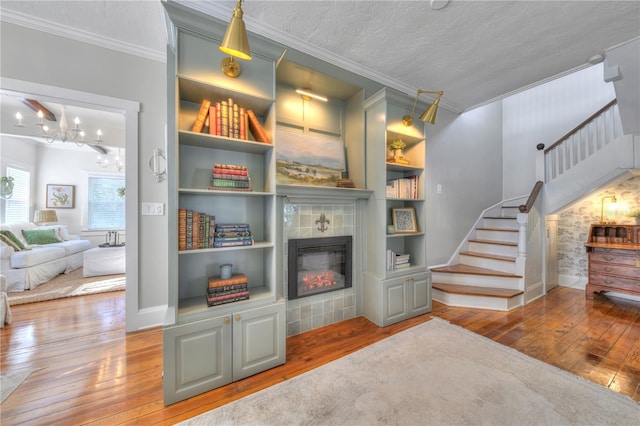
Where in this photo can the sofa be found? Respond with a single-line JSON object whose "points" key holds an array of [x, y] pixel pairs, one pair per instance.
{"points": [[39, 254]]}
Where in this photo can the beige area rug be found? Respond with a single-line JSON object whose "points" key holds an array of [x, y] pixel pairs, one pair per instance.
{"points": [[68, 285], [432, 374], [10, 382]]}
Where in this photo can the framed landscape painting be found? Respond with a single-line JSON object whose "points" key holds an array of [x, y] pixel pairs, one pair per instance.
{"points": [[404, 219], [61, 196]]}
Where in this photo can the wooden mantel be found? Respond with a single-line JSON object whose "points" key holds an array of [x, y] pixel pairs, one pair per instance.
{"points": [[321, 194]]}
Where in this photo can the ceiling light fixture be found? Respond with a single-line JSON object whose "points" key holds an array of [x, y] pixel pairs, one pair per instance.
{"points": [[307, 95], [63, 132], [235, 43], [429, 115]]}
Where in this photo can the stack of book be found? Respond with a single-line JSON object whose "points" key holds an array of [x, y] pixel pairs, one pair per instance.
{"points": [[226, 118], [403, 188], [195, 230], [230, 177], [397, 260], [221, 291], [232, 235]]}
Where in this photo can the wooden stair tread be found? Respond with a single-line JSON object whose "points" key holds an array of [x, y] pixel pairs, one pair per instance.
{"points": [[488, 256], [498, 229], [505, 293], [473, 270], [499, 217], [500, 243]]}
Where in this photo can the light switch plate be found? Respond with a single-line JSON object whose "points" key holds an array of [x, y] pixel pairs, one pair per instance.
{"points": [[152, 209]]}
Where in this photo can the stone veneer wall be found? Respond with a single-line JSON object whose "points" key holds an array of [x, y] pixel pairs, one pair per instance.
{"points": [[311, 312], [574, 224]]}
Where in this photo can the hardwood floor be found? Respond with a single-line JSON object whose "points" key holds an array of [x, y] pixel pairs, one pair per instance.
{"points": [[91, 372]]}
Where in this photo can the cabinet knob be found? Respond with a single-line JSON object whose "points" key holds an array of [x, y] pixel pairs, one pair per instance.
{"points": [[608, 268], [227, 320], [608, 281], [238, 318]]}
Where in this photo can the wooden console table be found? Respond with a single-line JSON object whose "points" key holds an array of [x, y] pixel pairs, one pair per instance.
{"points": [[614, 259]]}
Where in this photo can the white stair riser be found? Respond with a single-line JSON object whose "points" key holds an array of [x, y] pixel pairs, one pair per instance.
{"points": [[500, 223], [483, 262], [475, 280], [497, 249], [478, 302], [493, 235]]}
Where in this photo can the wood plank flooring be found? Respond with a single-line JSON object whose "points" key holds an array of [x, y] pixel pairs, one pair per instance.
{"points": [[92, 372]]}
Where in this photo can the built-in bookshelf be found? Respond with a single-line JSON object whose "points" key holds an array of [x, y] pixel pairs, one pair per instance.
{"points": [[210, 131], [399, 285]]}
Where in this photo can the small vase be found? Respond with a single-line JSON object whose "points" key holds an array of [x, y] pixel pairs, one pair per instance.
{"points": [[397, 154]]}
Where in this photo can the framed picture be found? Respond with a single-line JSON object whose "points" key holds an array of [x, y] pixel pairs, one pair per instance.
{"points": [[404, 219], [61, 196]]}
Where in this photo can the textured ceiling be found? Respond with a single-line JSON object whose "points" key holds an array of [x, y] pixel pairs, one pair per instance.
{"points": [[476, 51]]}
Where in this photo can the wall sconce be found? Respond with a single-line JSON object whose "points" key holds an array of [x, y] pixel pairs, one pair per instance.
{"points": [[158, 165], [429, 115], [307, 95], [612, 206], [235, 43]]}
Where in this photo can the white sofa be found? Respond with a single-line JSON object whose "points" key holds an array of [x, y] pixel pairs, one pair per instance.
{"points": [[27, 269]]}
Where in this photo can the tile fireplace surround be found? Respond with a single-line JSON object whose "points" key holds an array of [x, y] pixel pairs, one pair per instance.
{"points": [[311, 312]]}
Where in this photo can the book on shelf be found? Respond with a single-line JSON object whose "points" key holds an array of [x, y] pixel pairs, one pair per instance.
{"points": [[195, 230], [237, 227], [235, 172], [237, 278], [230, 183], [225, 176], [220, 244], [231, 299], [227, 289], [239, 238], [397, 260], [406, 187], [232, 234], [198, 124], [229, 166], [259, 134]]}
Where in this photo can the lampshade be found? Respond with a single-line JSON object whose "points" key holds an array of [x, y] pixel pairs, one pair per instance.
{"points": [[45, 216], [429, 115], [235, 41]]}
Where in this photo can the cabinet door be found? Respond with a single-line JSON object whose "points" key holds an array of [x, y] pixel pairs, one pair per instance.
{"points": [[197, 358], [394, 301], [419, 290], [258, 340]]}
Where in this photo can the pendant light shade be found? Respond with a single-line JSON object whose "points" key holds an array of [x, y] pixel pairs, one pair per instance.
{"points": [[235, 41], [429, 115]]}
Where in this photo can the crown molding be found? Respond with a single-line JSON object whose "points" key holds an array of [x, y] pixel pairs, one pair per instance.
{"points": [[38, 24], [260, 28]]}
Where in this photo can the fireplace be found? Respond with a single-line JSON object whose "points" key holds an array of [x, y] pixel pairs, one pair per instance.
{"points": [[319, 265]]}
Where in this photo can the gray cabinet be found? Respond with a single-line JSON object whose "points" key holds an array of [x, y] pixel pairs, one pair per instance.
{"points": [[209, 346], [394, 289], [387, 301], [206, 354]]}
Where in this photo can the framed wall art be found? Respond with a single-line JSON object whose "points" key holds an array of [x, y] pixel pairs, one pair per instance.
{"points": [[404, 219], [61, 196]]}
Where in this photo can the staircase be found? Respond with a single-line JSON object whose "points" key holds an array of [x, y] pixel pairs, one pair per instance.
{"points": [[485, 276]]}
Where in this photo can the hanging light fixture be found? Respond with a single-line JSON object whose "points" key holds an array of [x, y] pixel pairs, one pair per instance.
{"points": [[106, 161], [63, 133], [235, 43], [429, 115]]}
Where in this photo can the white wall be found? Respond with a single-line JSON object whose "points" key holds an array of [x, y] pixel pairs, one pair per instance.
{"points": [[20, 153], [37, 57], [543, 115], [464, 156]]}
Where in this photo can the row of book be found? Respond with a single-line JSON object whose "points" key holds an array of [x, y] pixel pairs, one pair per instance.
{"points": [[227, 290], [226, 118], [397, 261], [406, 187], [196, 230], [232, 235], [230, 177]]}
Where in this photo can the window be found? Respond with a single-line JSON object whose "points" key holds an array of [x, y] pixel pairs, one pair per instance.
{"points": [[106, 206], [17, 207]]}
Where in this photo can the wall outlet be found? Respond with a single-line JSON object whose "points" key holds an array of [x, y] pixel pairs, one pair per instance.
{"points": [[152, 209], [438, 189]]}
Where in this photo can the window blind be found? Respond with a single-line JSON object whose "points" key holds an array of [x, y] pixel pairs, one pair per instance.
{"points": [[106, 208]]}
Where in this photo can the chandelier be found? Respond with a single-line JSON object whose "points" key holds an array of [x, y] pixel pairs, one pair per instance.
{"points": [[63, 132], [105, 161]]}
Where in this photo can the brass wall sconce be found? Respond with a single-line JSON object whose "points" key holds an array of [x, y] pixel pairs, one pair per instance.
{"points": [[235, 43], [613, 205], [429, 115]]}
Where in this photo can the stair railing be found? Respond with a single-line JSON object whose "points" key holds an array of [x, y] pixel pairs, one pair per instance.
{"points": [[584, 140]]}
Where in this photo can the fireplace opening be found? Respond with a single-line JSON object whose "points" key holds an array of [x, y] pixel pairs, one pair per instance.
{"points": [[319, 265]]}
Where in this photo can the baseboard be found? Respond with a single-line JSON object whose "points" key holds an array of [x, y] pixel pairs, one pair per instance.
{"points": [[148, 318]]}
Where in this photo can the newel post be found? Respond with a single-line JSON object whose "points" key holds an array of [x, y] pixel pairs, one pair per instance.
{"points": [[540, 172], [522, 219]]}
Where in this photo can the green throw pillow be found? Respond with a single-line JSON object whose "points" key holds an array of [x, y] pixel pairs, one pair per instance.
{"points": [[8, 236], [40, 236]]}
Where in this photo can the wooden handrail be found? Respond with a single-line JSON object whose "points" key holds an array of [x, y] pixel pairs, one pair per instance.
{"points": [[581, 125], [524, 208]]}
